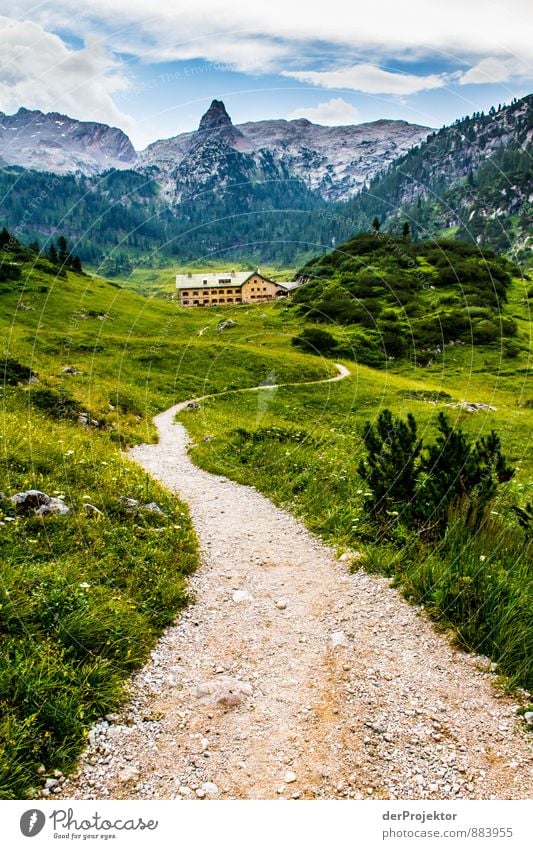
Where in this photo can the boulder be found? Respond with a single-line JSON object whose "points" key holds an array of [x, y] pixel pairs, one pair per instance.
{"points": [[33, 500], [54, 506], [223, 325], [152, 507], [130, 504]]}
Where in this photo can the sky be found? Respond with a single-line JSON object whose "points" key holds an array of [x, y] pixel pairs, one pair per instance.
{"points": [[152, 67]]}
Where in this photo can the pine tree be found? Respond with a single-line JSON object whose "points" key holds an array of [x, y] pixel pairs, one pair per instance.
{"points": [[406, 231], [5, 237], [376, 225], [76, 264], [52, 254], [63, 254], [389, 469]]}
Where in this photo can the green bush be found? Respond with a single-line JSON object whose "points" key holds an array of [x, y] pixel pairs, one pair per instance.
{"points": [[315, 340], [12, 372], [58, 404], [416, 486]]}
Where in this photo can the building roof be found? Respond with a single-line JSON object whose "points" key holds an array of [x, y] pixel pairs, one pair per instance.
{"points": [[289, 285], [212, 279]]}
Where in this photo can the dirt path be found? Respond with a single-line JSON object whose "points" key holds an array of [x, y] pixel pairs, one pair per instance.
{"points": [[347, 692]]}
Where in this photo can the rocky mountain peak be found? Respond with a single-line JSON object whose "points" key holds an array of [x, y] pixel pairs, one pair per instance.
{"points": [[216, 118]]}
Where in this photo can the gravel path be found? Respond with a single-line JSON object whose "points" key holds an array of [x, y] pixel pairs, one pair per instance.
{"points": [[290, 677]]}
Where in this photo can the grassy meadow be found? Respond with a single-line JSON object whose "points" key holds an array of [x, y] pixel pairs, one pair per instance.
{"points": [[83, 596]]}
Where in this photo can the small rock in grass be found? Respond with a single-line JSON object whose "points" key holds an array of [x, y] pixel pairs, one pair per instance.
{"points": [[152, 507], [350, 555], [528, 716], [56, 506], [91, 510], [41, 503], [128, 503]]}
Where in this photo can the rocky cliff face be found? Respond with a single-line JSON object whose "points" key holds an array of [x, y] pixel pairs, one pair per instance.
{"points": [[62, 145], [335, 161]]}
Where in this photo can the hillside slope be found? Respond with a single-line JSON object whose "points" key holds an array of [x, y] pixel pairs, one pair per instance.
{"points": [[472, 179]]}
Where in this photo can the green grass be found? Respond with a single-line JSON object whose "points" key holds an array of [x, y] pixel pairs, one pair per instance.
{"points": [[67, 648], [83, 599]]}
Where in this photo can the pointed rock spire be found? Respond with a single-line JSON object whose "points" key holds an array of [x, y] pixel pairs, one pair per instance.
{"points": [[216, 118]]}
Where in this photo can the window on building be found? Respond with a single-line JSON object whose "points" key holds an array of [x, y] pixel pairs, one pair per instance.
{"points": [[184, 294], [229, 291], [223, 281], [213, 300], [185, 302], [195, 303], [229, 300], [204, 282], [205, 302], [238, 300], [264, 289]]}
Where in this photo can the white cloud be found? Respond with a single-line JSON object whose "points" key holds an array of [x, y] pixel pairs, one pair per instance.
{"points": [[39, 71], [369, 79], [259, 35], [493, 70], [333, 113]]}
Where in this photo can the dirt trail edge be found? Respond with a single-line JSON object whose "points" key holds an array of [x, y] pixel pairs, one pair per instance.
{"points": [[289, 677]]}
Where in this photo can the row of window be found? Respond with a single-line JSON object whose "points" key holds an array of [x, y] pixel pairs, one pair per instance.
{"points": [[206, 302], [212, 292]]}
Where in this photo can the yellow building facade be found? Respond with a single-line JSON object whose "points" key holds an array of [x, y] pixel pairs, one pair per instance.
{"points": [[234, 287]]}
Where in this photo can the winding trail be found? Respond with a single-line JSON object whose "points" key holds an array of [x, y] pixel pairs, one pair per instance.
{"points": [[352, 693]]}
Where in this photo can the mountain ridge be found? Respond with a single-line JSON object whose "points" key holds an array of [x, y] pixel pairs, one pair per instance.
{"points": [[335, 161], [60, 144]]}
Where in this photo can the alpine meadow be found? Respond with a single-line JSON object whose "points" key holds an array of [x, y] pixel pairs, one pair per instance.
{"points": [[266, 496]]}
